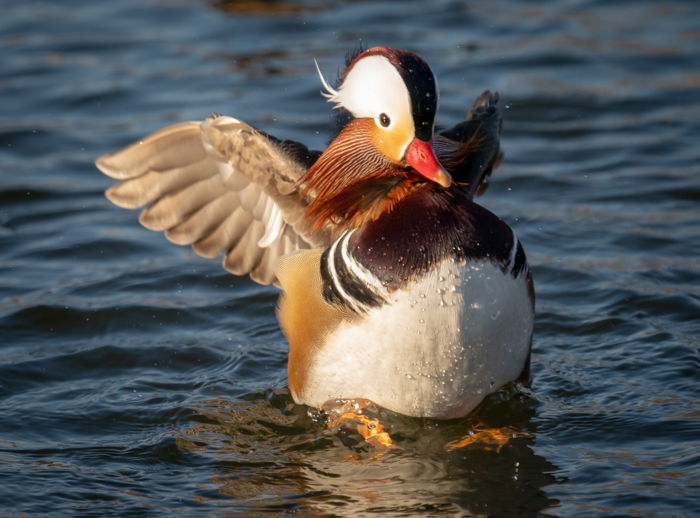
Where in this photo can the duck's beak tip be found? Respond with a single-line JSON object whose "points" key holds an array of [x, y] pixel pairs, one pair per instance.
{"points": [[421, 157], [442, 178]]}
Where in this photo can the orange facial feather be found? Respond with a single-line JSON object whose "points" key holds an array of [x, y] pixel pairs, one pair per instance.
{"points": [[353, 181]]}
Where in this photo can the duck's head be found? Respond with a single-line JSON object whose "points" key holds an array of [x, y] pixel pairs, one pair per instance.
{"points": [[391, 99], [396, 91]]}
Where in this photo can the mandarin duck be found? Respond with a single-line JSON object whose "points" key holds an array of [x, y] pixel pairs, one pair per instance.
{"points": [[397, 288]]}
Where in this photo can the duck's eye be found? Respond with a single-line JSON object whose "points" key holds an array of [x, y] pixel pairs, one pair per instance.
{"points": [[384, 119]]}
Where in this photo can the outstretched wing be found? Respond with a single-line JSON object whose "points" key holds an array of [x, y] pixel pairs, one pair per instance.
{"points": [[221, 186], [471, 150]]}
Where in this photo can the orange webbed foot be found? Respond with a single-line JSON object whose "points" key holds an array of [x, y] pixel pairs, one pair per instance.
{"points": [[350, 414], [487, 438]]}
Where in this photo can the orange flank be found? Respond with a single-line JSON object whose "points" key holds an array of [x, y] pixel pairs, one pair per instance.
{"points": [[305, 317]]}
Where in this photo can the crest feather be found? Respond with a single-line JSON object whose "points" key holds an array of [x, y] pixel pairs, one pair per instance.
{"points": [[330, 93]]}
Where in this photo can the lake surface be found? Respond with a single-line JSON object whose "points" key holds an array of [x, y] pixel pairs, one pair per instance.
{"points": [[137, 379]]}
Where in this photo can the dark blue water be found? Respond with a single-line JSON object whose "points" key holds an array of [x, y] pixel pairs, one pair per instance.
{"points": [[138, 379]]}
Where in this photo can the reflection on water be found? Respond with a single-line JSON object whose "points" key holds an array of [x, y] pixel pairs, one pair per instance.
{"points": [[272, 456], [266, 7]]}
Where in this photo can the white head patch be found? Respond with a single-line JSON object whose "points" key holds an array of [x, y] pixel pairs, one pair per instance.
{"points": [[371, 88]]}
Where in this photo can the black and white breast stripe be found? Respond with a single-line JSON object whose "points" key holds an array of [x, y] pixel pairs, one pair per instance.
{"points": [[517, 261], [346, 282]]}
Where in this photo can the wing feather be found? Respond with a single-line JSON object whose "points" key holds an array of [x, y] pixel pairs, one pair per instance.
{"points": [[471, 149], [265, 269], [202, 222], [221, 186], [225, 236], [245, 255], [168, 211], [166, 149], [135, 192]]}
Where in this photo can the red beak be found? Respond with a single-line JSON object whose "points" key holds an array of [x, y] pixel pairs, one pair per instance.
{"points": [[421, 157]]}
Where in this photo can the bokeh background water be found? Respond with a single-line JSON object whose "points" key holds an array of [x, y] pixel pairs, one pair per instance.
{"points": [[138, 379]]}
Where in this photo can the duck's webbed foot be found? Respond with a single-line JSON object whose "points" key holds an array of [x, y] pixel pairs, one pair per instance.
{"points": [[350, 413], [486, 438]]}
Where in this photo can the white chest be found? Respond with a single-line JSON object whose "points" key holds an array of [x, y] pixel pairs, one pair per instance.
{"points": [[436, 350]]}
